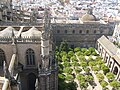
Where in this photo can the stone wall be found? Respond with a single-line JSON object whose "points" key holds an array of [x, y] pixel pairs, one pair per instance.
{"points": [[80, 35]]}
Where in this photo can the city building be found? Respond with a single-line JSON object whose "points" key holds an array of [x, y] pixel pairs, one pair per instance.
{"points": [[26, 58], [83, 32], [110, 54], [6, 10], [27, 45]]}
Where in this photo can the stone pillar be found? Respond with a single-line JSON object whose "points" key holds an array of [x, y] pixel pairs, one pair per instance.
{"points": [[44, 82], [47, 83], [56, 80], [45, 50], [14, 49]]}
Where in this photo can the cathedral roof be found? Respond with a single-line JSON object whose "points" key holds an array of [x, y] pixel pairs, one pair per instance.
{"points": [[7, 32], [32, 32]]}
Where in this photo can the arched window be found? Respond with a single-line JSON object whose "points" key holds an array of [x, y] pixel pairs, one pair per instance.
{"points": [[58, 31], [115, 70], [106, 58], [110, 64], [87, 31], [2, 58], [94, 31], [73, 31], [30, 57], [80, 31], [65, 31]]}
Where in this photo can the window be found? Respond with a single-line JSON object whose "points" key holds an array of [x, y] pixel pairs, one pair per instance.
{"points": [[2, 58], [30, 57], [110, 64], [58, 31], [65, 31], [87, 31], [115, 70], [94, 31], [73, 31], [80, 31], [101, 31]]}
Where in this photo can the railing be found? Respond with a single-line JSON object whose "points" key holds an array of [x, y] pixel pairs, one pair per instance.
{"points": [[20, 24], [32, 39]]}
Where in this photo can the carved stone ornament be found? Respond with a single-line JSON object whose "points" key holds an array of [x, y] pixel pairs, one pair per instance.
{"points": [[45, 35]]}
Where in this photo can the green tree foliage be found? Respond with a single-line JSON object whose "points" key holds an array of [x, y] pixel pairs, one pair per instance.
{"points": [[100, 76], [63, 46], [99, 62], [56, 48], [78, 53], [83, 50], [89, 78], [64, 58], [61, 77], [59, 58], [81, 78], [95, 68], [70, 49], [71, 86], [82, 58], [110, 76], [62, 85], [73, 58], [115, 84], [90, 58], [70, 54], [87, 70], [60, 67], [68, 70], [63, 53], [91, 49], [105, 68], [98, 58], [92, 63], [69, 77], [94, 53], [66, 64], [76, 49], [87, 53], [78, 70], [75, 63], [103, 83], [83, 85], [83, 64]]}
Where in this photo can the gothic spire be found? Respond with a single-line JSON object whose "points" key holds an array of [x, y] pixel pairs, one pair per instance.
{"points": [[46, 19]]}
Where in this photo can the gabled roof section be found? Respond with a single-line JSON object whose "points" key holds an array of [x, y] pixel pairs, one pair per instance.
{"points": [[32, 32], [7, 32]]}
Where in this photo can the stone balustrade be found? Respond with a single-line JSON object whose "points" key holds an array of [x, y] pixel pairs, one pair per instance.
{"points": [[32, 39], [20, 24]]}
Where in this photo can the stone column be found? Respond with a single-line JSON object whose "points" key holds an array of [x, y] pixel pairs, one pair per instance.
{"points": [[45, 50]]}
